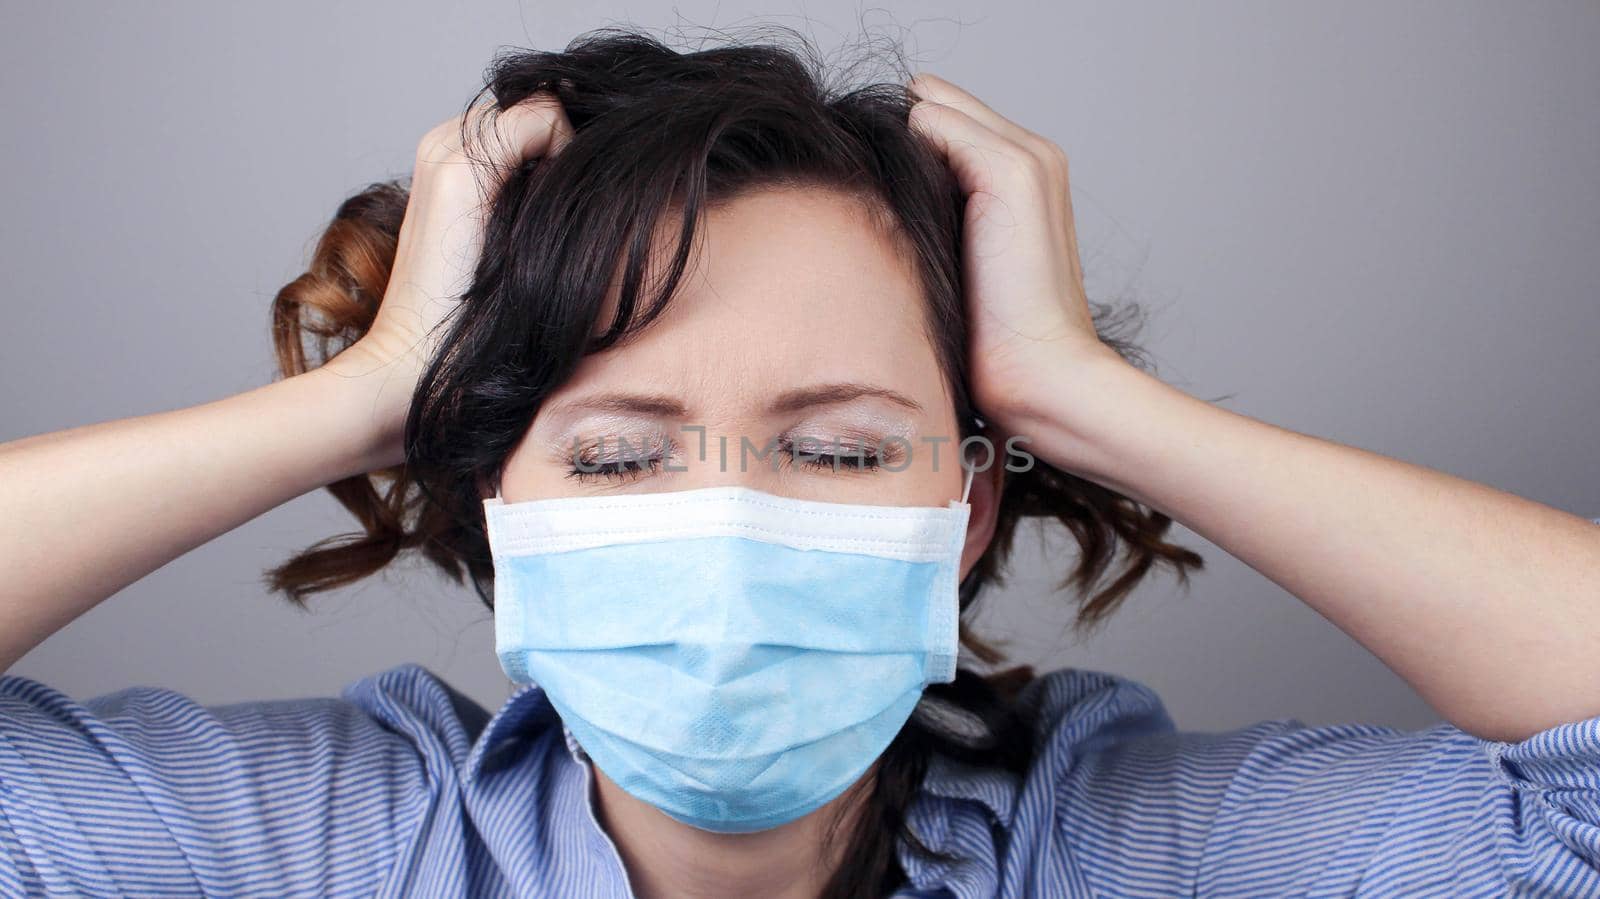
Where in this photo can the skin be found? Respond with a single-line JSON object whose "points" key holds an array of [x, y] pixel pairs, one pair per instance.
{"points": [[1483, 601], [754, 278], [1486, 603]]}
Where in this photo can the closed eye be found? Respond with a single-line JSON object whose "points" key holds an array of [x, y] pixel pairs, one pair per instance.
{"points": [[832, 456], [594, 463], [621, 469]]}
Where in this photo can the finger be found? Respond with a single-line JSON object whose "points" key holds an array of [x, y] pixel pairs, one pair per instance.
{"points": [[929, 86], [535, 127], [977, 155], [985, 161]]}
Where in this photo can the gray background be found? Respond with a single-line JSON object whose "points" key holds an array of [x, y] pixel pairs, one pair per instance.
{"points": [[1372, 222]]}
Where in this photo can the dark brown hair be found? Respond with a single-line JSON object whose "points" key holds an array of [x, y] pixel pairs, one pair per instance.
{"points": [[660, 132]]}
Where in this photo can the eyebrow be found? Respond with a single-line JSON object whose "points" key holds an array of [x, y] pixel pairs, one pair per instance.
{"points": [[635, 403], [665, 406], [842, 392]]}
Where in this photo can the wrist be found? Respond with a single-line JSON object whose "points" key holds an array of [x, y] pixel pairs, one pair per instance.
{"points": [[1081, 414], [370, 397]]}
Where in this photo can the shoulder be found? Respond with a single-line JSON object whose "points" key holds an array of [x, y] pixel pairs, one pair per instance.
{"points": [[1082, 713], [405, 709], [1104, 739], [267, 794], [1112, 779]]}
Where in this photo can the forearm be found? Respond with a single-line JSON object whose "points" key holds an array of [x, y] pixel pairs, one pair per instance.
{"points": [[91, 509], [1487, 603]]}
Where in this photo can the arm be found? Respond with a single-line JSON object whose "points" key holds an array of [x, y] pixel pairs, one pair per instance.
{"points": [[90, 510], [1488, 604], [144, 792]]}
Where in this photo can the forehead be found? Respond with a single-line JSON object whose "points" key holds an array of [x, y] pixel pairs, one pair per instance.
{"points": [[785, 286]]}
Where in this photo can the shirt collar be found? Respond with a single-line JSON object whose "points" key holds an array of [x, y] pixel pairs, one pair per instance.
{"points": [[994, 790], [526, 713]]}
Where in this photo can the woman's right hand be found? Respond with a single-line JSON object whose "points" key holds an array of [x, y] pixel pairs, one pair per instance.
{"points": [[439, 244], [89, 510]]}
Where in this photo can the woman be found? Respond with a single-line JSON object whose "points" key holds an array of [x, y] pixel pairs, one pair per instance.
{"points": [[724, 552]]}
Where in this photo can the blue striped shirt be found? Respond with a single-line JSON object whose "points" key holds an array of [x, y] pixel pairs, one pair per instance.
{"points": [[404, 787]]}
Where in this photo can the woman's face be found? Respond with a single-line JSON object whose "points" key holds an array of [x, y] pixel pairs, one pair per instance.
{"points": [[797, 324]]}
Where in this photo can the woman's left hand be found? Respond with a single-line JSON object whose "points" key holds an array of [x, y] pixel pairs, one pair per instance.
{"points": [[1482, 600], [1028, 314]]}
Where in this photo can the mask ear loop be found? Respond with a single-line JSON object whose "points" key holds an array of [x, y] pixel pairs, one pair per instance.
{"points": [[966, 488]]}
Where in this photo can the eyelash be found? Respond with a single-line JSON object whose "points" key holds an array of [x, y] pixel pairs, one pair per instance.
{"points": [[622, 469], [861, 459], [632, 469]]}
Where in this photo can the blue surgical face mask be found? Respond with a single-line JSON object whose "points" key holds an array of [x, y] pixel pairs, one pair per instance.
{"points": [[734, 658]]}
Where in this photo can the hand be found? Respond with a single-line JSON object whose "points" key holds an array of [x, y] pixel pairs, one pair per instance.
{"points": [[1027, 311], [1482, 600], [440, 240]]}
